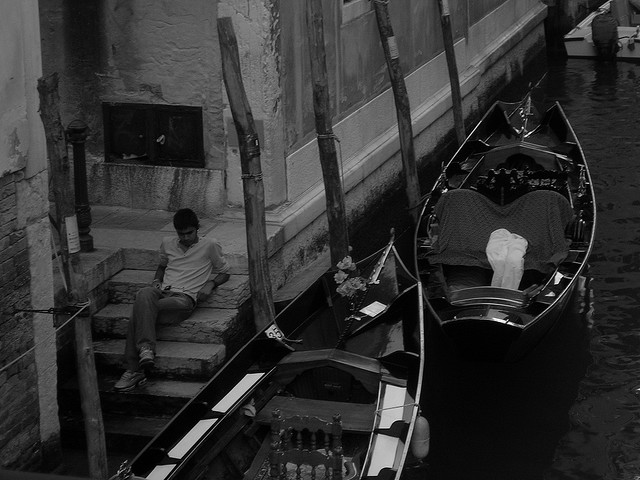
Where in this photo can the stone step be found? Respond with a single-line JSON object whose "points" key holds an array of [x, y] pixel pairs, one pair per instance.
{"points": [[205, 325], [173, 359], [123, 433], [124, 285], [157, 397]]}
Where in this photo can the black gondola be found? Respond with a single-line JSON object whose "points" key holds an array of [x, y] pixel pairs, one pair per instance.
{"points": [[524, 174]]}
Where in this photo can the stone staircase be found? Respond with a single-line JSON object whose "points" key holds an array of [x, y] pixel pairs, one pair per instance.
{"points": [[188, 353]]}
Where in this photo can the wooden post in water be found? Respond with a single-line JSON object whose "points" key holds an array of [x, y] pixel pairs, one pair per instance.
{"points": [[456, 96], [334, 192], [259, 279], [77, 289], [403, 109]]}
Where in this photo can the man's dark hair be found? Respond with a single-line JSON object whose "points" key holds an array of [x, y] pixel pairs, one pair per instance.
{"points": [[185, 218]]}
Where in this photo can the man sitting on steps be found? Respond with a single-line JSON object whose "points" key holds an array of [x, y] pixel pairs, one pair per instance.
{"points": [[190, 268]]}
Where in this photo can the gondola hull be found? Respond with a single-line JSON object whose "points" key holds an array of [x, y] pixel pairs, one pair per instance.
{"points": [[532, 182]]}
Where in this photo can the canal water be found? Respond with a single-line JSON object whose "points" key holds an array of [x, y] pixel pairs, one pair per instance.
{"points": [[571, 408]]}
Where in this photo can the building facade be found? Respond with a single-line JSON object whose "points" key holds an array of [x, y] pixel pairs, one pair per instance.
{"points": [[146, 77], [29, 426]]}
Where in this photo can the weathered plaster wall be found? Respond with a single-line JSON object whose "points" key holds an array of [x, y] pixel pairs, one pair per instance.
{"points": [[494, 53], [366, 110], [29, 427], [140, 52], [166, 52], [164, 188], [258, 28], [71, 33], [20, 130]]}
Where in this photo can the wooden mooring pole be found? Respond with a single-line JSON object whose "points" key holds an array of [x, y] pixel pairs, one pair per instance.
{"points": [[333, 187], [72, 270], [456, 96], [403, 109], [259, 279]]}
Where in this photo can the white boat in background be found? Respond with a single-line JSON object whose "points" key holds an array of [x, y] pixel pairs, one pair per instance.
{"points": [[612, 31]]}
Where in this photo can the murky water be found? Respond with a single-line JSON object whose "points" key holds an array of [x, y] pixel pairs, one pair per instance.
{"points": [[603, 441], [571, 408]]}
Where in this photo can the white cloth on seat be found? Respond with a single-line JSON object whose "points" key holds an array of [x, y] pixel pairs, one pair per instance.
{"points": [[505, 252]]}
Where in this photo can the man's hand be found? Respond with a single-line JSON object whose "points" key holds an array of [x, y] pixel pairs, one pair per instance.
{"points": [[205, 291], [158, 277]]}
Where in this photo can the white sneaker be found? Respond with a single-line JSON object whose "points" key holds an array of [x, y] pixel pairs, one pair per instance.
{"points": [[130, 380]]}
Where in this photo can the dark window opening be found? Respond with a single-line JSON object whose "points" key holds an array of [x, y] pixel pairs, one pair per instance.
{"points": [[153, 134]]}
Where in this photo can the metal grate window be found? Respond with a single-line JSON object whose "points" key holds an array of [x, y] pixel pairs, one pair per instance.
{"points": [[153, 134]]}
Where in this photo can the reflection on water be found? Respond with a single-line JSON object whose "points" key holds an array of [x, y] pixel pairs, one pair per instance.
{"points": [[602, 100], [570, 409]]}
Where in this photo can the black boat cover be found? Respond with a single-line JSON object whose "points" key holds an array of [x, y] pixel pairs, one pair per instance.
{"points": [[467, 218]]}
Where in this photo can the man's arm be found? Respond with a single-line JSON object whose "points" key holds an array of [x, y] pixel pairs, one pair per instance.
{"points": [[219, 264], [159, 276], [212, 283], [162, 266]]}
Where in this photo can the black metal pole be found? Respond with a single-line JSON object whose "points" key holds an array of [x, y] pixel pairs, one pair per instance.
{"points": [[77, 135]]}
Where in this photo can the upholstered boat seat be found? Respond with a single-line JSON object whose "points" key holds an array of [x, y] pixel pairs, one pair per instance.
{"points": [[467, 219]]}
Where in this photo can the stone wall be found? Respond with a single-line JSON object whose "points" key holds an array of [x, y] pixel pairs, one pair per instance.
{"points": [[29, 426], [144, 52], [19, 410], [28, 406]]}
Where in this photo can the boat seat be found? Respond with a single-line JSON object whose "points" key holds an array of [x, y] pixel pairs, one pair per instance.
{"points": [[347, 365], [356, 417]]}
